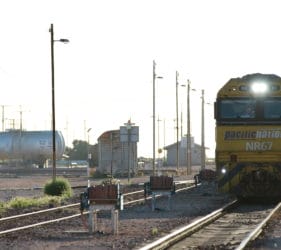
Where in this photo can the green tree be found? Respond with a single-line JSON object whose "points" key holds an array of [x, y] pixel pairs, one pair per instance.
{"points": [[79, 150]]}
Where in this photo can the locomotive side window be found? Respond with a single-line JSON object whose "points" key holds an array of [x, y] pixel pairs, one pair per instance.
{"points": [[227, 109]]}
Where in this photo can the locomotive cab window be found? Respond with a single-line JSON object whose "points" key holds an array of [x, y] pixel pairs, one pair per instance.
{"points": [[272, 109], [237, 109]]}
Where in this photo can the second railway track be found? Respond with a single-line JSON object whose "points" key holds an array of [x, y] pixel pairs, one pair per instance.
{"points": [[24, 221]]}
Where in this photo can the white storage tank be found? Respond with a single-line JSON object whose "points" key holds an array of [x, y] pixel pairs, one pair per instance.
{"points": [[30, 146]]}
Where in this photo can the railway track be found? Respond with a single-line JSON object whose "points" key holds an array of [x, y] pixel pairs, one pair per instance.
{"points": [[231, 227], [13, 172], [25, 221]]}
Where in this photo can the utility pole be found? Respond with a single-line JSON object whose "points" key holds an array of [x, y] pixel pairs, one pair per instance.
{"points": [[177, 118], [85, 131], [129, 126], [154, 76], [129, 150], [188, 133], [3, 117], [188, 136], [153, 118], [53, 104], [181, 125], [159, 149], [203, 162], [164, 140], [21, 119], [51, 30], [89, 155]]}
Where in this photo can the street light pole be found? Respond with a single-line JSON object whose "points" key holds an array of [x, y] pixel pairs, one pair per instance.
{"points": [[177, 118], [88, 152], [189, 155], [53, 103], [188, 128], [53, 97], [153, 116], [3, 117], [129, 126], [159, 149], [164, 141], [203, 161]]}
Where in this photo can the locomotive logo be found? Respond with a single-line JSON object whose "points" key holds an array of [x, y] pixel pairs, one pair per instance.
{"points": [[250, 134], [239, 135]]}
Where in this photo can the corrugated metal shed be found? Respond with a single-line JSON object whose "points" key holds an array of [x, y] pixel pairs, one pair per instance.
{"points": [[116, 157]]}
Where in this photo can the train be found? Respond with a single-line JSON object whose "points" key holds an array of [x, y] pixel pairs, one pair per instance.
{"points": [[30, 147], [248, 136]]}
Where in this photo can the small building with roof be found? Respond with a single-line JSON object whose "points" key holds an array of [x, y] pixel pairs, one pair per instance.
{"points": [[117, 152], [171, 150]]}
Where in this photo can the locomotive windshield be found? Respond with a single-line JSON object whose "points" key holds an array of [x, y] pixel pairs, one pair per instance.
{"points": [[236, 109], [272, 109]]}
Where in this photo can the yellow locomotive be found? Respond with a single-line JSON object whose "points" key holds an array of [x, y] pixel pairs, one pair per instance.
{"points": [[248, 136]]}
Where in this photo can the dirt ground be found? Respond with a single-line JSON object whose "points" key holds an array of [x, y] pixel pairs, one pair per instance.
{"points": [[138, 224]]}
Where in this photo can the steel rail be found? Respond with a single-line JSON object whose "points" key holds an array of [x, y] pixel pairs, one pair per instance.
{"points": [[47, 210], [135, 192], [84, 186], [38, 224], [189, 229], [63, 218], [149, 198], [255, 233], [77, 204], [38, 212]]}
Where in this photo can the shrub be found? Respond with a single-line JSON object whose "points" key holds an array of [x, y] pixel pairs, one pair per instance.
{"points": [[21, 202], [59, 187], [110, 181], [99, 175], [24, 202]]}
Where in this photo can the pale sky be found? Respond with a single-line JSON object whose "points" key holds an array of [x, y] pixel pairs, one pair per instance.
{"points": [[103, 77]]}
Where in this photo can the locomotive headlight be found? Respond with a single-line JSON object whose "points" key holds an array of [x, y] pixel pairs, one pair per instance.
{"points": [[223, 170], [259, 87]]}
